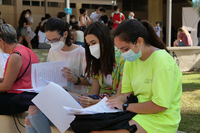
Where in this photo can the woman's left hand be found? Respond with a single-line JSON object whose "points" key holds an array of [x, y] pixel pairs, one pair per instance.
{"points": [[67, 73], [87, 101], [112, 103]]}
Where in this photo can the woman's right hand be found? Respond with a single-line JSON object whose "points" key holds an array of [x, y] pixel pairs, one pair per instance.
{"points": [[87, 101]]}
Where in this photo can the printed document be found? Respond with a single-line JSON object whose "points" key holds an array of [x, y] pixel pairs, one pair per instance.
{"points": [[3, 60], [51, 101]]}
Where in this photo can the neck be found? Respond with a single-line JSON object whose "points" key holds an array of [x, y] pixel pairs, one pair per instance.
{"points": [[147, 50], [69, 48], [8, 48]]}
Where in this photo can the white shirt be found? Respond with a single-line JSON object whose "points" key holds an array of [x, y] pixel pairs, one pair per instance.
{"points": [[42, 36], [77, 65], [31, 20], [80, 36], [94, 16], [158, 30], [108, 80]]}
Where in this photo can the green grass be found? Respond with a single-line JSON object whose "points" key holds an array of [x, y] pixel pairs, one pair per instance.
{"points": [[190, 103]]}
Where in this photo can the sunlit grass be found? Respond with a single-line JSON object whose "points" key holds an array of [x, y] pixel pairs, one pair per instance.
{"points": [[190, 103]]}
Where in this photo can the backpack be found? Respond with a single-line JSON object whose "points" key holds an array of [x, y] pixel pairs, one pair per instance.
{"points": [[120, 16]]}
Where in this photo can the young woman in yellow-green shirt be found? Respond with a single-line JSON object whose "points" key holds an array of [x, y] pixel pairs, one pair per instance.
{"points": [[151, 74]]}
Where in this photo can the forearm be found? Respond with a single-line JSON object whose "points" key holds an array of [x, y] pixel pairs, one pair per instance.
{"points": [[145, 108], [4, 88], [1, 80]]}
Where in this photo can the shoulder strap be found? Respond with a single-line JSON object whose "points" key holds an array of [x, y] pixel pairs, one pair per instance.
{"points": [[112, 15], [26, 67]]}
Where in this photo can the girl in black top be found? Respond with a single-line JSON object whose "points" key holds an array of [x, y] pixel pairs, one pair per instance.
{"points": [[23, 24]]}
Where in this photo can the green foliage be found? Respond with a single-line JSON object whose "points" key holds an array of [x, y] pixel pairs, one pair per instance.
{"points": [[196, 4]]}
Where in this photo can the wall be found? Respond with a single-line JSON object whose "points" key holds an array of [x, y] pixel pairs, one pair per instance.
{"points": [[7, 13]]}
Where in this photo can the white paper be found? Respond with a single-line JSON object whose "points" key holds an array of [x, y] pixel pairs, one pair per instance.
{"points": [[48, 71], [51, 101], [3, 60], [100, 107], [31, 34]]}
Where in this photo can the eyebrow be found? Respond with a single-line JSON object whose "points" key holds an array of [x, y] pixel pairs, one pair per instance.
{"points": [[52, 39], [91, 41], [123, 47]]}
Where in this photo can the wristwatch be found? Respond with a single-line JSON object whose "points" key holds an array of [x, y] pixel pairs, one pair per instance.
{"points": [[125, 105], [78, 81]]}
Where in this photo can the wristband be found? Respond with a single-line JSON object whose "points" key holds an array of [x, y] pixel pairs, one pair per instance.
{"points": [[78, 81]]}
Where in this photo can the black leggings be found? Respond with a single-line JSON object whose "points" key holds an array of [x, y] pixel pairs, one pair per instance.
{"points": [[8, 107]]}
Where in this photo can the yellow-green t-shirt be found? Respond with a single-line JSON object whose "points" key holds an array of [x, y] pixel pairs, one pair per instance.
{"points": [[158, 79]]}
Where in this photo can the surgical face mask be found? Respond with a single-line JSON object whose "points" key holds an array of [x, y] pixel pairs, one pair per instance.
{"points": [[27, 15], [95, 50], [116, 12], [130, 17], [73, 19], [57, 46], [158, 25], [131, 56], [100, 14]]}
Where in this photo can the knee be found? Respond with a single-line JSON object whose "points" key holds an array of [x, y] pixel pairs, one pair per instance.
{"points": [[33, 110], [27, 122]]}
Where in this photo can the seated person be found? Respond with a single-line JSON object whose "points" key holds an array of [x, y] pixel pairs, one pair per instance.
{"points": [[62, 49], [151, 74], [17, 73], [184, 38], [42, 37], [78, 35], [104, 64]]}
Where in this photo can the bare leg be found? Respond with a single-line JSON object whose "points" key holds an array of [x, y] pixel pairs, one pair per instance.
{"points": [[21, 39], [27, 38]]}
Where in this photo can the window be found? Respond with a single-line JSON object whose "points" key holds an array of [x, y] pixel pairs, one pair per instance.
{"points": [[6, 2], [35, 3], [53, 4], [72, 5], [85, 5], [26, 3]]}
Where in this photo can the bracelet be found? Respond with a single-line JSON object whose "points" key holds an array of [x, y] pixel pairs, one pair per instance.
{"points": [[78, 81]]}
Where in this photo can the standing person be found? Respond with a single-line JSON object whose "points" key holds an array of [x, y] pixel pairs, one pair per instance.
{"points": [[78, 35], [41, 37], [103, 17], [83, 20], [158, 29], [17, 70], [23, 24], [72, 21], [131, 15], [30, 22], [62, 49], [1, 20], [184, 38], [61, 15], [116, 17], [151, 74], [198, 33], [95, 15]]}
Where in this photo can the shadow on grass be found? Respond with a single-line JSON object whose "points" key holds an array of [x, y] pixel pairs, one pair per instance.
{"points": [[190, 86], [190, 122]]}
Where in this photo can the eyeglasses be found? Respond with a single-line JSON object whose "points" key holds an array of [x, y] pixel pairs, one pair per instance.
{"points": [[55, 41]]}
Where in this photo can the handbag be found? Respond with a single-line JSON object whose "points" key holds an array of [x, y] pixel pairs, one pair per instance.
{"points": [[104, 121]]}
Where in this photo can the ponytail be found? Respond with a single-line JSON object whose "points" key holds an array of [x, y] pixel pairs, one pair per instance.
{"points": [[130, 30]]}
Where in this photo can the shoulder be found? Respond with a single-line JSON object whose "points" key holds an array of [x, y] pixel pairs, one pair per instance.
{"points": [[118, 56]]}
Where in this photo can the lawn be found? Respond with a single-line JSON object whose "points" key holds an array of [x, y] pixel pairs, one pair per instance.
{"points": [[190, 105]]}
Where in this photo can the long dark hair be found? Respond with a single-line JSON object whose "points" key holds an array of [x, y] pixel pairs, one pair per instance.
{"points": [[57, 24], [130, 30], [107, 52], [22, 16]]}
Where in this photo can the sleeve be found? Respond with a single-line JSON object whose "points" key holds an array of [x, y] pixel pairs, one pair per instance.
{"points": [[92, 16], [180, 35], [126, 83], [31, 19], [163, 87], [106, 19], [123, 18]]}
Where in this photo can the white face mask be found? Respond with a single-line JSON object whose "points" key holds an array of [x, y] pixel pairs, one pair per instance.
{"points": [[73, 19], [95, 50], [27, 15], [57, 46]]}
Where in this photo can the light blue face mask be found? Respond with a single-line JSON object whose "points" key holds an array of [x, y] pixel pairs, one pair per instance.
{"points": [[131, 56], [116, 12], [130, 17]]}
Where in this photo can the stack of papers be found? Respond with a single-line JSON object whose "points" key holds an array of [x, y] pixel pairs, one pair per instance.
{"points": [[100, 107], [3, 60]]}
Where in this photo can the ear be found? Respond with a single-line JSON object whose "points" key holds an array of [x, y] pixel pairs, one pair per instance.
{"points": [[65, 34], [140, 41]]}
